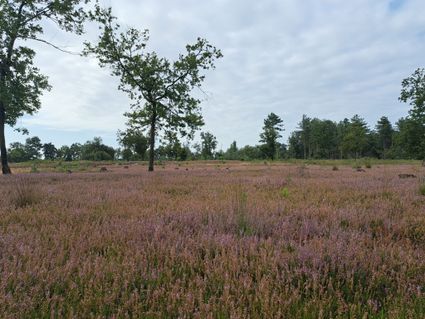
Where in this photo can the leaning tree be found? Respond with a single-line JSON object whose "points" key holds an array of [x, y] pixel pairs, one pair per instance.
{"points": [[21, 83], [159, 89]]}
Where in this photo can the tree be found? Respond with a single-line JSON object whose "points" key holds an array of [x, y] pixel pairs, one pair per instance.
{"points": [[295, 142], [413, 92], [97, 151], [208, 145], [232, 152], [49, 151], [135, 144], [355, 140], [75, 151], [160, 89], [21, 83], [33, 147], [305, 126], [65, 153], [273, 125], [385, 132], [17, 153]]}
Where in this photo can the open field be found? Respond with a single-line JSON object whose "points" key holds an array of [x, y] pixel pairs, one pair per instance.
{"points": [[213, 240]]}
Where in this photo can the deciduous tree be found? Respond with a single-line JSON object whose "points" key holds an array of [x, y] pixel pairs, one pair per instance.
{"points": [[159, 88], [21, 83]]}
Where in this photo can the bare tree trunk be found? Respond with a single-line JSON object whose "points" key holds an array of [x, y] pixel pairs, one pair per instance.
{"points": [[152, 141], [3, 150]]}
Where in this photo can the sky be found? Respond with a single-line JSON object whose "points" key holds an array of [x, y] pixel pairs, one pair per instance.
{"points": [[329, 59]]}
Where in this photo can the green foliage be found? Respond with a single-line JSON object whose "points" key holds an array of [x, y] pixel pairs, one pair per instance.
{"points": [[367, 163], [413, 92], [34, 169], [284, 192], [49, 151], [208, 145], [355, 140], [385, 134], [135, 144], [412, 129], [97, 151], [273, 125], [21, 83], [160, 89], [33, 147]]}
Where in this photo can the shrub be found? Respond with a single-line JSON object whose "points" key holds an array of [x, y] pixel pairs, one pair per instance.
{"points": [[284, 192], [368, 164], [240, 210], [25, 193]]}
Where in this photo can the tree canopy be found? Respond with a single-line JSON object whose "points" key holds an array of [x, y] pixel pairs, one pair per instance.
{"points": [[160, 89], [21, 83]]}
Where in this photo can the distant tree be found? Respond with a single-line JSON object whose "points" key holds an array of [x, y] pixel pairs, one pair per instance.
{"points": [[17, 153], [232, 152], [273, 125], [322, 139], [76, 150], [21, 83], [95, 150], [296, 145], [413, 92], [33, 147], [65, 153], [408, 142], [49, 151], [355, 140], [385, 132], [160, 89], [248, 153], [208, 145], [305, 127], [134, 142], [342, 130]]}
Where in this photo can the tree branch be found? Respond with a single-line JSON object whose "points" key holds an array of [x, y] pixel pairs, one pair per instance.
{"points": [[52, 45]]}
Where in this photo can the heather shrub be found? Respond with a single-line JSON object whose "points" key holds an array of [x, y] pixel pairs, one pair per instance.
{"points": [[240, 211], [24, 193]]}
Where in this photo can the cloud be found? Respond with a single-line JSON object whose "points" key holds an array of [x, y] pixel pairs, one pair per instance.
{"points": [[325, 58]]}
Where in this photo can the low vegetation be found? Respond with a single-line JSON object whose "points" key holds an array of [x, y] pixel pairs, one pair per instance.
{"points": [[214, 240]]}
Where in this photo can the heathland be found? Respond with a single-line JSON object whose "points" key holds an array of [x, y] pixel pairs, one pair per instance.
{"points": [[213, 240]]}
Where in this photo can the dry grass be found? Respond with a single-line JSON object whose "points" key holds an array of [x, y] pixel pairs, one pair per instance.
{"points": [[216, 241]]}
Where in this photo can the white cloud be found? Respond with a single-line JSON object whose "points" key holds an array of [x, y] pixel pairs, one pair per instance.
{"points": [[325, 58]]}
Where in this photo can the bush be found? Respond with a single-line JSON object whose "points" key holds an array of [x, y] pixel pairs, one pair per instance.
{"points": [[368, 164], [25, 193]]}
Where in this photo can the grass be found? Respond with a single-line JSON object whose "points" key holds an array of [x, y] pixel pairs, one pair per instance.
{"points": [[251, 241]]}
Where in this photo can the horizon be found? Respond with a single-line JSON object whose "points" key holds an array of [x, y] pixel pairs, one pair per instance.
{"points": [[262, 71]]}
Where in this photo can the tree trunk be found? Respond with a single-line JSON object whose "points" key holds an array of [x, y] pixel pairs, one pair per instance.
{"points": [[152, 141], [4, 163]]}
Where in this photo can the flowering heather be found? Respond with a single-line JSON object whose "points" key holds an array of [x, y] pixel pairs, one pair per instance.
{"points": [[213, 241]]}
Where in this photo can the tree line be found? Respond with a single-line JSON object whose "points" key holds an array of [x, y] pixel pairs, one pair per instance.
{"points": [[162, 106]]}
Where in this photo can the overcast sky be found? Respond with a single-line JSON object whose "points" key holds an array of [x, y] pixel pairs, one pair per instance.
{"points": [[324, 58]]}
